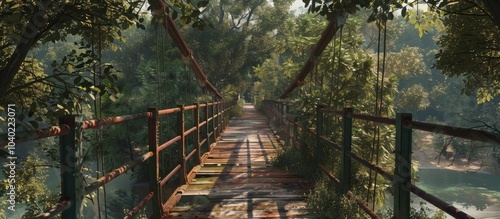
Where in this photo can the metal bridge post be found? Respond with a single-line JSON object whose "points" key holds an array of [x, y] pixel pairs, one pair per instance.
{"points": [[319, 131], [214, 131], [196, 115], [70, 161], [295, 132], [154, 169], [402, 171], [218, 117], [207, 126], [345, 182], [181, 145], [224, 112]]}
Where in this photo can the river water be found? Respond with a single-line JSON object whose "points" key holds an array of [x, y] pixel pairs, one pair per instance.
{"points": [[477, 194]]}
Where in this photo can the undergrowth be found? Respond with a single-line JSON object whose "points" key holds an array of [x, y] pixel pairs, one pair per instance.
{"points": [[324, 201]]}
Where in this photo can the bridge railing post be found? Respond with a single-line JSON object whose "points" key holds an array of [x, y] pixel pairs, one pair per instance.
{"points": [[214, 113], [220, 118], [70, 161], [319, 131], [181, 145], [154, 169], [345, 182], [224, 114], [207, 127], [402, 170], [196, 116], [295, 132]]}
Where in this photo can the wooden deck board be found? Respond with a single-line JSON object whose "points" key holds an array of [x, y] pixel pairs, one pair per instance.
{"points": [[238, 180]]}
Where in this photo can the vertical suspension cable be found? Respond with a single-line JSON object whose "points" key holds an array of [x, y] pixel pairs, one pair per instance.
{"points": [[340, 56], [98, 148], [380, 111], [333, 78], [94, 69], [375, 128]]}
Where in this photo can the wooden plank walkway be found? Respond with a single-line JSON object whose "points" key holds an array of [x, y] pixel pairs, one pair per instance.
{"points": [[237, 179]]}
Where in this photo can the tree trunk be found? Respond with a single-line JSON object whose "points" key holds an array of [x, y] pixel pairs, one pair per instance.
{"points": [[10, 70]]}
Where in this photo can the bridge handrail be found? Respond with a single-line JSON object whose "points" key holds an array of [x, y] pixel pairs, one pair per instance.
{"points": [[279, 111], [31, 135], [218, 109], [467, 133]]}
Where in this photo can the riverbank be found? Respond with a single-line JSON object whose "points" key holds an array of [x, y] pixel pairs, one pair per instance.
{"points": [[432, 159]]}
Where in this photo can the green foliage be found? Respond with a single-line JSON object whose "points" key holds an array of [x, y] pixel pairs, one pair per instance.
{"points": [[412, 99], [469, 50], [122, 202], [31, 189], [243, 37], [423, 212], [326, 202], [187, 12]]}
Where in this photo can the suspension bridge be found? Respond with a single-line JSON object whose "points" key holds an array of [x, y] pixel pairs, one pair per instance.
{"points": [[226, 171]]}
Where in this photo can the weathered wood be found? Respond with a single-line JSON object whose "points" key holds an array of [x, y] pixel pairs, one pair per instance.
{"points": [[237, 179]]}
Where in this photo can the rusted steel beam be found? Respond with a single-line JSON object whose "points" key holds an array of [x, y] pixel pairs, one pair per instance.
{"points": [[364, 206], [169, 143], [56, 209], [203, 141], [35, 134], [190, 107], [377, 119], [326, 37], [472, 134], [139, 206], [181, 144], [330, 175], [97, 123], [154, 162], [359, 202], [189, 131], [170, 175], [449, 209], [70, 155], [196, 124], [187, 54], [168, 111], [115, 173], [190, 154], [332, 111]]}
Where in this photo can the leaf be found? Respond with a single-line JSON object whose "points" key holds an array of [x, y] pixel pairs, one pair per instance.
{"points": [[34, 124], [96, 89], [77, 80], [174, 15], [390, 16], [80, 65], [371, 18], [183, 20], [202, 4], [403, 12]]}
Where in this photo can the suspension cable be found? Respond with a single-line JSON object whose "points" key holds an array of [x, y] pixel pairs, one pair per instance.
{"points": [[375, 128], [380, 112]]}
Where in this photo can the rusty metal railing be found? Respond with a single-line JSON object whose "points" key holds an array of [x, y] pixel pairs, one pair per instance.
{"points": [[401, 178], [70, 128]]}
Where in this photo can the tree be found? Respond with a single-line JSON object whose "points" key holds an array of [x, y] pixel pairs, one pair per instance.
{"points": [[344, 76], [470, 48], [74, 80], [243, 37]]}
